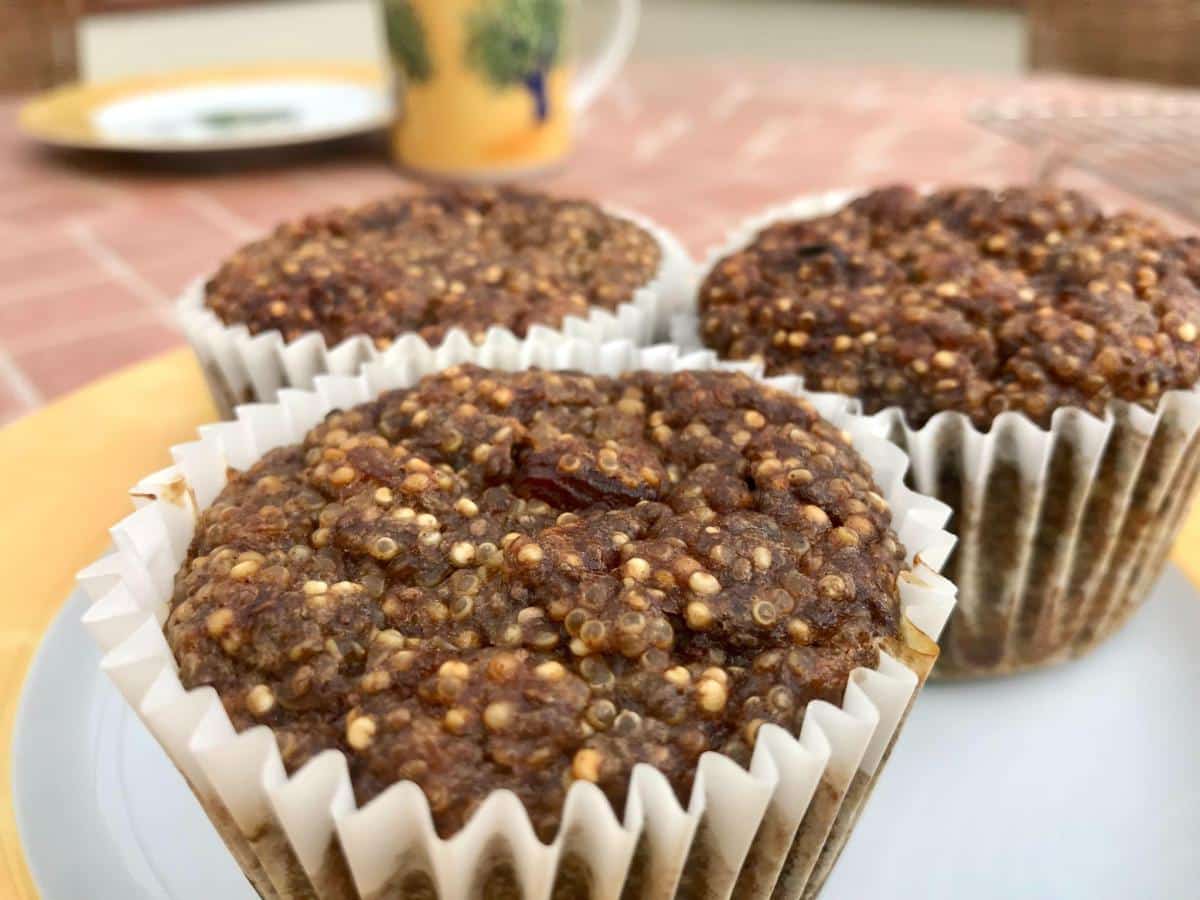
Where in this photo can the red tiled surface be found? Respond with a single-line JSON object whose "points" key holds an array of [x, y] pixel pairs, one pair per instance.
{"points": [[93, 248], [71, 362], [47, 316]]}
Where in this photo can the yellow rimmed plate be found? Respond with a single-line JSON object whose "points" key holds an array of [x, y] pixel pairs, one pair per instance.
{"points": [[201, 110]]}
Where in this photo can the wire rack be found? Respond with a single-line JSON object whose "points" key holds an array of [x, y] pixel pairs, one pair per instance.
{"points": [[1148, 146]]}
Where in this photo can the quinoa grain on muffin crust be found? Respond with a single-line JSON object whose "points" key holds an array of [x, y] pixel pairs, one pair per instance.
{"points": [[518, 580], [427, 263], [966, 299]]}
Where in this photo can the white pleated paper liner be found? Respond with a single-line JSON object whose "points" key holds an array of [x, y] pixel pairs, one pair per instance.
{"points": [[1062, 531], [241, 367], [774, 829]]}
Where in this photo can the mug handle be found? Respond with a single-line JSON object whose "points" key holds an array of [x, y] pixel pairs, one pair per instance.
{"points": [[596, 75]]}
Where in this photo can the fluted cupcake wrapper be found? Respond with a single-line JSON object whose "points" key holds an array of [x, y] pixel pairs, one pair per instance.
{"points": [[1062, 531], [241, 367], [772, 830]]}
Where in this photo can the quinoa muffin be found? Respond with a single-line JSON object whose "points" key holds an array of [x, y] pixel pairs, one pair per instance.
{"points": [[967, 300], [483, 580], [980, 303], [519, 580], [427, 263]]}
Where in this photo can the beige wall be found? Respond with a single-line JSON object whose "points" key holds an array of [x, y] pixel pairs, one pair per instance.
{"points": [[130, 43], [938, 35]]}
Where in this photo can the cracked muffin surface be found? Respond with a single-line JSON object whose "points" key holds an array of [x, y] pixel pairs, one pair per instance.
{"points": [[965, 299], [426, 263], [518, 580]]}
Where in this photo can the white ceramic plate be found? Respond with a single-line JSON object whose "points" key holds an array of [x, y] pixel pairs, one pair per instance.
{"points": [[206, 110], [1078, 782], [253, 114]]}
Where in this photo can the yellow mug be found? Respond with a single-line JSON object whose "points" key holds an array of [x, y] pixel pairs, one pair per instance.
{"points": [[485, 89]]}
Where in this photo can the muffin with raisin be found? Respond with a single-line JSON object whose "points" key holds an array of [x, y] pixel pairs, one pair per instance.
{"points": [[1035, 355], [533, 584]]}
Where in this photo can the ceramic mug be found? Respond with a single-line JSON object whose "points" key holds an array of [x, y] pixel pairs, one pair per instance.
{"points": [[486, 89]]}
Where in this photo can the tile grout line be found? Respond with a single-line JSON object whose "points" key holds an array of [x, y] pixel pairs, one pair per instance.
{"points": [[18, 382], [83, 234], [763, 142], [650, 145], [219, 215], [39, 287], [731, 99]]}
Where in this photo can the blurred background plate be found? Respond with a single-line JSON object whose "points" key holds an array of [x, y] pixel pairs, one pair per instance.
{"points": [[244, 107], [1079, 780]]}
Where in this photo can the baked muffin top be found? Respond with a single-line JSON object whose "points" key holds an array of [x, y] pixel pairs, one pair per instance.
{"points": [[427, 263], [966, 299], [496, 580]]}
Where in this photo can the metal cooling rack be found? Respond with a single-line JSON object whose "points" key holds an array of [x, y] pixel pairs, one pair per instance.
{"points": [[1148, 146]]}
